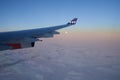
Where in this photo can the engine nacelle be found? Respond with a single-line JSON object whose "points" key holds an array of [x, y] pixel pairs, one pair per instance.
{"points": [[9, 46], [5, 47]]}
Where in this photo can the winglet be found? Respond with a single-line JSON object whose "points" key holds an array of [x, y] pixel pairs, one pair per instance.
{"points": [[73, 21]]}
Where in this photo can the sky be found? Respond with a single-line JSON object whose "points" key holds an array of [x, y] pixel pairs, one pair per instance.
{"points": [[93, 15]]}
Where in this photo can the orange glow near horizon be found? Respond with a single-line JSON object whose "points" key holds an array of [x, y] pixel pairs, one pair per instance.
{"points": [[88, 35]]}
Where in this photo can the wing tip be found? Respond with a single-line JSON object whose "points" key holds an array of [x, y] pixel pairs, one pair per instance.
{"points": [[73, 21]]}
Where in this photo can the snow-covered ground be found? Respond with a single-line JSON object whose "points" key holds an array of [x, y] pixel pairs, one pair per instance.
{"points": [[62, 61]]}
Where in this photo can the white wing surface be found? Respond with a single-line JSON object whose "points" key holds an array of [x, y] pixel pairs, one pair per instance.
{"points": [[27, 38]]}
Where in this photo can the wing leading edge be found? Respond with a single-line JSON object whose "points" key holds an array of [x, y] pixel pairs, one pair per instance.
{"points": [[27, 38]]}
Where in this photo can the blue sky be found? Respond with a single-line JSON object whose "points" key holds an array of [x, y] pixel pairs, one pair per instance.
{"points": [[92, 14]]}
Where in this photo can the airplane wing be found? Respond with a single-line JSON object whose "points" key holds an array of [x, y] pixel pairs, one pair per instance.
{"points": [[27, 38]]}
